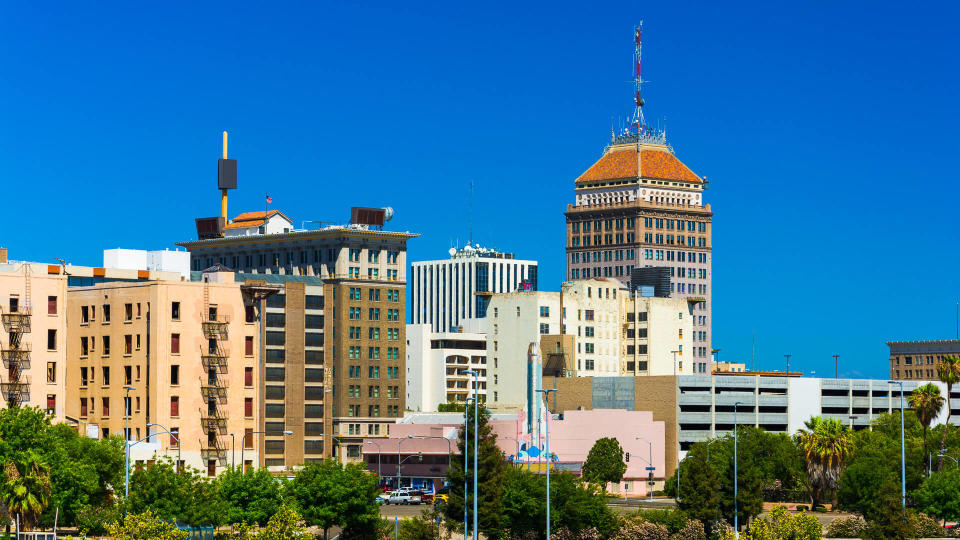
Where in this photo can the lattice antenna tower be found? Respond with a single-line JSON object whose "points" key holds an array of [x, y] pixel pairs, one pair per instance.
{"points": [[637, 123]]}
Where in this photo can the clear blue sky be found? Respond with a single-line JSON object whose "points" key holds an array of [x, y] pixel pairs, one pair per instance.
{"points": [[829, 135]]}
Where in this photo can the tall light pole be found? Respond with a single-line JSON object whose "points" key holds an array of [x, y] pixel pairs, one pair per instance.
{"points": [[167, 431], [379, 476], [466, 468], [836, 366], [476, 462], [787, 356], [233, 452], [711, 441], [736, 472], [126, 439], [903, 452], [546, 400], [650, 463], [956, 462]]}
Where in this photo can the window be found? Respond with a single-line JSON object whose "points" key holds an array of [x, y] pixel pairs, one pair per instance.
{"points": [[248, 376], [128, 344], [588, 331], [128, 312], [105, 408], [248, 438], [174, 375], [128, 375], [373, 295], [51, 305], [174, 406], [544, 328], [175, 311], [248, 407], [51, 372], [248, 345], [84, 314], [106, 376], [51, 340], [83, 376], [588, 314], [106, 313], [83, 406], [174, 343], [51, 404]]}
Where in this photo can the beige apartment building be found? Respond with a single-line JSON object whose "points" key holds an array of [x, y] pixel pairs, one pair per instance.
{"points": [[917, 360], [33, 311], [176, 361]]}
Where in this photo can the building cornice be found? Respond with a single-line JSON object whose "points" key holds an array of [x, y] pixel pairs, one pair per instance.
{"points": [[296, 237]]}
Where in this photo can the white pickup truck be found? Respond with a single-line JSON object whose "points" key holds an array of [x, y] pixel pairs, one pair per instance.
{"points": [[405, 496]]}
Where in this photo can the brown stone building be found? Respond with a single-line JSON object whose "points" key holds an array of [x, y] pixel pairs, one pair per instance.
{"points": [[334, 337], [173, 359], [640, 206], [917, 360]]}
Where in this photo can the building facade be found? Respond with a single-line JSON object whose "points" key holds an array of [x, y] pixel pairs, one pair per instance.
{"points": [[696, 408], [444, 293], [172, 362], [435, 361], [593, 327], [361, 353], [917, 360], [639, 206]]}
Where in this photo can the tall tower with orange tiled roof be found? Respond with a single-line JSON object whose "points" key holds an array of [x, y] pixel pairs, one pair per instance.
{"points": [[639, 206]]}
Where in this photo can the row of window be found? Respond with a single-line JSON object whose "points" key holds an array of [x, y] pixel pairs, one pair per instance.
{"points": [[373, 391], [650, 223], [292, 257], [373, 353], [353, 272], [373, 411], [373, 294], [373, 333], [373, 372], [373, 314]]}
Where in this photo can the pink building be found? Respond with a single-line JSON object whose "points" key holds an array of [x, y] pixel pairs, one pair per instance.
{"points": [[422, 442]]}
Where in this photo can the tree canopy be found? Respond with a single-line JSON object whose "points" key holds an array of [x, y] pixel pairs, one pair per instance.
{"points": [[333, 494], [490, 474], [604, 464]]}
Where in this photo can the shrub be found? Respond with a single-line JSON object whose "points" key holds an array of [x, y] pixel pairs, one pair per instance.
{"points": [[821, 509], [93, 520], [925, 526], [673, 520], [846, 527], [783, 525], [564, 533], [145, 526], [693, 530], [635, 529], [802, 508]]}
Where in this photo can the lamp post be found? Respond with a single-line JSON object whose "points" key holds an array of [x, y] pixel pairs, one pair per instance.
{"points": [[338, 451], [399, 462], [546, 399], [836, 366], [903, 452], [476, 462], [449, 446], [126, 439], [736, 505], [649, 487], [956, 462], [165, 430], [518, 447], [711, 441], [233, 452], [379, 476], [252, 433]]}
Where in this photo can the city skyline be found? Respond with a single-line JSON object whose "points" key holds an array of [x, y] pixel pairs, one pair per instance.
{"points": [[420, 104]]}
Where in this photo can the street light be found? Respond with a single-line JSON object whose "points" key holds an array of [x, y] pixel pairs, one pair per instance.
{"points": [[252, 433], [518, 447], [546, 399], [126, 438], [711, 441], [233, 452], [903, 452], [165, 430], [379, 476], [449, 446], [736, 478], [476, 401], [650, 463], [955, 461]]}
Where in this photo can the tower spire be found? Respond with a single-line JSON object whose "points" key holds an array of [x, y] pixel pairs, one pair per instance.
{"points": [[638, 123]]}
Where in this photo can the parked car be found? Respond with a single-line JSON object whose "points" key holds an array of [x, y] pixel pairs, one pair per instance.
{"points": [[404, 496], [441, 499], [426, 497]]}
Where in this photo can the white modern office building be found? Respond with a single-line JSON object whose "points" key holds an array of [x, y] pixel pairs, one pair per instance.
{"points": [[435, 361], [443, 293], [163, 260]]}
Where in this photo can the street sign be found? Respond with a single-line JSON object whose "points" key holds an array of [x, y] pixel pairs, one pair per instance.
{"points": [[651, 468]]}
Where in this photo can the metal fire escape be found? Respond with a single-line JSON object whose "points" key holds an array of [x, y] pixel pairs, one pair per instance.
{"points": [[15, 387], [214, 388]]}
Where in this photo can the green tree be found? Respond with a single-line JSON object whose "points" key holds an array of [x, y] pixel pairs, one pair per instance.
{"points": [[252, 496], [701, 501], [604, 464], [26, 489], [826, 444], [490, 474], [186, 496], [332, 494], [574, 505], [286, 524], [426, 526], [145, 526], [926, 401], [939, 495], [948, 370], [782, 525]]}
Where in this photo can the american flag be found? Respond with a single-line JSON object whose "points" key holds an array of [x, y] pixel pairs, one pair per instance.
{"points": [[269, 199]]}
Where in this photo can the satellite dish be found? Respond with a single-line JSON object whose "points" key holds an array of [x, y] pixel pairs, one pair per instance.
{"points": [[387, 213], [452, 251]]}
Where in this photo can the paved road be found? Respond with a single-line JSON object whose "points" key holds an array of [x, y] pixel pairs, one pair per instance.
{"points": [[403, 511]]}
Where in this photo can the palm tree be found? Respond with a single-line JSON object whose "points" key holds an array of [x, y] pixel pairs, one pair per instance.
{"points": [[27, 489], [826, 444], [948, 370], [927, 402]]}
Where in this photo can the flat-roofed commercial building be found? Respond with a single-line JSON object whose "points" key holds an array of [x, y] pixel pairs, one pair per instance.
{"points": [[435, 361], [917, 360], [175, 361], [354, 284]]}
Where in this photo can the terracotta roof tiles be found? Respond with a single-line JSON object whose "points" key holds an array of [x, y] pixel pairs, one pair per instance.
{"points": [[623, 164]]}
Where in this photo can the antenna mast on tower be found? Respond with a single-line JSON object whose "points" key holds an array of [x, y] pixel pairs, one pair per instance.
{"points": [[638, 122]]}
